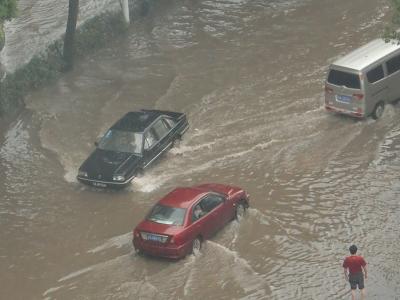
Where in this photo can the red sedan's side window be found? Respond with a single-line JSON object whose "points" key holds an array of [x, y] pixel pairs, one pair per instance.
{"points": [[197, 212], [207, 204], [211, 201]]}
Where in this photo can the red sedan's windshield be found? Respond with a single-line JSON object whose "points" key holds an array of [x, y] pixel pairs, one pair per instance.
{"points": [[167, 215]]}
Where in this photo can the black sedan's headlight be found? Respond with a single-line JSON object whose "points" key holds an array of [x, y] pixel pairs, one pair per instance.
{"points": [[119, 178]]}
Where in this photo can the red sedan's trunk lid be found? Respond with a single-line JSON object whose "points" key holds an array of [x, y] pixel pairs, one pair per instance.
{"points": [[153, 227]]}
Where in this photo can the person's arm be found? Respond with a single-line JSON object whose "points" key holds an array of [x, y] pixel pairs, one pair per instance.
{"points": [[346, 275], [365, 271]]}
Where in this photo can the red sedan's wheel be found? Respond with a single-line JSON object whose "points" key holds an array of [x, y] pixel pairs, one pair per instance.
{"points": [[196, 246], [240, 211]]}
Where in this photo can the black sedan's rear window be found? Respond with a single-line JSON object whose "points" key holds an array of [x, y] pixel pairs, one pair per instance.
{"points": [[346, 79]]}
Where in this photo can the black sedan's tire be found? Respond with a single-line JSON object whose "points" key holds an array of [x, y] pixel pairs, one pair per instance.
{"points": [[176, 141], [378, 110]]}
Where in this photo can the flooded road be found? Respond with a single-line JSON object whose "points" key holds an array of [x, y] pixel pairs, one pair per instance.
{"points": [[249, 75]]}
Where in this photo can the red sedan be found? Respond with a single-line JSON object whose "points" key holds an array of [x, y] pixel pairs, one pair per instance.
{"points": [[179, 223]]}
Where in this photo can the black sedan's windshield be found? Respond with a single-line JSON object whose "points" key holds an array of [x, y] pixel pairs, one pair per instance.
{"points": [[122, 141], [167, 215]]}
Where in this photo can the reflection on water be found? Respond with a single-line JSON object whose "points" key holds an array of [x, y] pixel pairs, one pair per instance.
{"points": [[249, 75]]}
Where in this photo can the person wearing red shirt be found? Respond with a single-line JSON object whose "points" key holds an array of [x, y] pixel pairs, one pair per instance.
{"points": [[355, 269]]}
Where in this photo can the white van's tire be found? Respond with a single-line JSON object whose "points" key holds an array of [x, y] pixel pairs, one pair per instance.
{"points": [[378, 110]]}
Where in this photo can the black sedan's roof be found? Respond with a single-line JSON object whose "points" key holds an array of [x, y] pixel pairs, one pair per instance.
{"points": [[136, 121]]}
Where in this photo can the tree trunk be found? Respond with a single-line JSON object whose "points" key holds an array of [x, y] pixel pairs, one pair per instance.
{"points": [[69, 40]]}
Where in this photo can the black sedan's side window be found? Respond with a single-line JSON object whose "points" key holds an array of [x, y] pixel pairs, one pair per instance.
{"points": [[160, 128], [171, 123], [149, 139]]}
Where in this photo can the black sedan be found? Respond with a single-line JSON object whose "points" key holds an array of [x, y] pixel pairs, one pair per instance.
{"points": [[130, 145]]}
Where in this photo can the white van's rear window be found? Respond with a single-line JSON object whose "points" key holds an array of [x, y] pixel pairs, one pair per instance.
{"points": [[346, 79]]}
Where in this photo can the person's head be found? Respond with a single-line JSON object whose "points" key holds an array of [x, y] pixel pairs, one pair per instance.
{"points": [[353, 249]]}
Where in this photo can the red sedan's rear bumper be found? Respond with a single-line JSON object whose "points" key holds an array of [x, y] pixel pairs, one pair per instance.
{"points": [[161, 250]]}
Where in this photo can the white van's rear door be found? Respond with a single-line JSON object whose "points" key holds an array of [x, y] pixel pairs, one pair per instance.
{"points": [[343, 92]]}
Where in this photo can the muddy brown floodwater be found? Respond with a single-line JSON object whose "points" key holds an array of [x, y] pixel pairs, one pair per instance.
{"points": [[249, 75]]}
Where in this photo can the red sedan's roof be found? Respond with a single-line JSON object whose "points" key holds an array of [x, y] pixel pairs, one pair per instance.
{"points": [[184, 197]]}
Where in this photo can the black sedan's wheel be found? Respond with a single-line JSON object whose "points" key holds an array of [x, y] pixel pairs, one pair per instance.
{"points": [[378, 110], [177, 141], [196, 246], [240, 211]]}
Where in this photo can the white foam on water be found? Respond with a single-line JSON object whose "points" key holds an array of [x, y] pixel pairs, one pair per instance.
{"points": [[248, 279], [51, 290], [148, 183], [190, 277], [70, 173], [183, 149], [16, 145], [75, 274], [117, 242], [374, 20], [262, 218]]}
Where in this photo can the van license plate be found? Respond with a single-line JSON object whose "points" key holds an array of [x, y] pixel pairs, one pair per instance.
{"points": [[99, 184], [343, 98]]}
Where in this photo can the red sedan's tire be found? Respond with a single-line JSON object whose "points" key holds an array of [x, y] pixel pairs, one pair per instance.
{"points": [[137, 250], [240, 210], [196, 246]]}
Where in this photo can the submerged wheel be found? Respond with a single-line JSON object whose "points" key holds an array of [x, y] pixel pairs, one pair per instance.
{"points": [[240, 211], [378, 110], [176, 142], [137, 250], [196, 246]]}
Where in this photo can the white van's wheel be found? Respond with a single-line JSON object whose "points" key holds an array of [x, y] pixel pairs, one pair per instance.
{"points": [[378, 110]]}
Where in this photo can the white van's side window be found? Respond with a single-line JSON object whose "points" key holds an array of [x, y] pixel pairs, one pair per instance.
{"points": [[393, 64], [375, 74]]}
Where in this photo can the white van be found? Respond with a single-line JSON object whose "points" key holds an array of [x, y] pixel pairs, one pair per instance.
{"points": [[360, 83]]}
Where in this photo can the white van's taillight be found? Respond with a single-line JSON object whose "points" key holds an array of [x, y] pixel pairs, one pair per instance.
{"points": [[358, 96], [328, 90]]}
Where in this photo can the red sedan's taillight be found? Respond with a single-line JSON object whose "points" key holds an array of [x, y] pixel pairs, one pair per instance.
{"points": [[136, 233]]}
